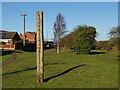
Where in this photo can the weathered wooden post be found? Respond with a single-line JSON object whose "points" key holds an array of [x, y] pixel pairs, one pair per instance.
{"points": [[40, 52]]}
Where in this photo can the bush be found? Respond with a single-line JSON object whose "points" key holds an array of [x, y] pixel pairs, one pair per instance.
{"points": [[104, 45], [84, 39]]}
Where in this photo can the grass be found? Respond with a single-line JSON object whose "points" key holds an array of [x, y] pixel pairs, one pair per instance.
{"points": [[66, 70]]}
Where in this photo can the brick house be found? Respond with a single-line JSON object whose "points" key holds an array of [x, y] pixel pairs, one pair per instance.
{"points": [[30, 37], [9, 39]]}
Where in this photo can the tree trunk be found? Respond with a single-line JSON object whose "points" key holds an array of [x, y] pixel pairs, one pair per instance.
{"points": [[58, 47]]}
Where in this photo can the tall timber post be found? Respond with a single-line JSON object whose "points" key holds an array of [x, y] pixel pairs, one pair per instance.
{"points": [[39, 39]]}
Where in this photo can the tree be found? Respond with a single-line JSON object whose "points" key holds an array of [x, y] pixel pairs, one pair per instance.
{"points": [[114, 32], [104, 45], [68, 41], [84, 39], [59, 30], [115, 36]]}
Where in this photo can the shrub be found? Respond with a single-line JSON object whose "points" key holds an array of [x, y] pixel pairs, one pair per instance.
{"points": [[84, 39]]}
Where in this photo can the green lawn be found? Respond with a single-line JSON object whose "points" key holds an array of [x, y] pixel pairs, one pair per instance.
{"points": [[66, 70]]}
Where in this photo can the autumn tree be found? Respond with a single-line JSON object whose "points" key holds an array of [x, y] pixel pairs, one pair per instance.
{"points": [[68, 41], [59, 30]]}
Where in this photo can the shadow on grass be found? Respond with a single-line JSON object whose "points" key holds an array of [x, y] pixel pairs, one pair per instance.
{"points": [[29, 50], [93, 53], [52, 63], [20, 71], [29, 68], [33, 49], [7, 52], [62, 73], [49, 78], [119, 57]]}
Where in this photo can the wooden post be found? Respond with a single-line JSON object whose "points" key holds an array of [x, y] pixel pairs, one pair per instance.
{"points": [[39, 46]]}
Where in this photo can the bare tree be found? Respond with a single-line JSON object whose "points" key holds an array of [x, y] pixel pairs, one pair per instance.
{"points": [[59, 30]]}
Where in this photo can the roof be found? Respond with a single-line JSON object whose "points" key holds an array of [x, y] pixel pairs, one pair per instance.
{"points": [[49, 42], [8, 35], [32, 33]]}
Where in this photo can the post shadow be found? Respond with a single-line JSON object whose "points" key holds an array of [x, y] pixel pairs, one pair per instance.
{"points": [[31, 68], [49, 78], [62, 73]]}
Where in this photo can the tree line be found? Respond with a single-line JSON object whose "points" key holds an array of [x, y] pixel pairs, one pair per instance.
{"points": [[82, 39]]}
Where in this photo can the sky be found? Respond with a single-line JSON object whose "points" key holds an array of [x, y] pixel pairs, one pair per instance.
{"points": [[101, 15], [60, 0]]}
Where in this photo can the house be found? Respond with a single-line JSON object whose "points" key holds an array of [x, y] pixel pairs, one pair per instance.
{"points": [[9, 39], [30, 37]]}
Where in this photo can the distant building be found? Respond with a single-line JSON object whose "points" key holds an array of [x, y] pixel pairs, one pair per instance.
{"points": [[8, 40], [49, 44], [30, 37]]}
